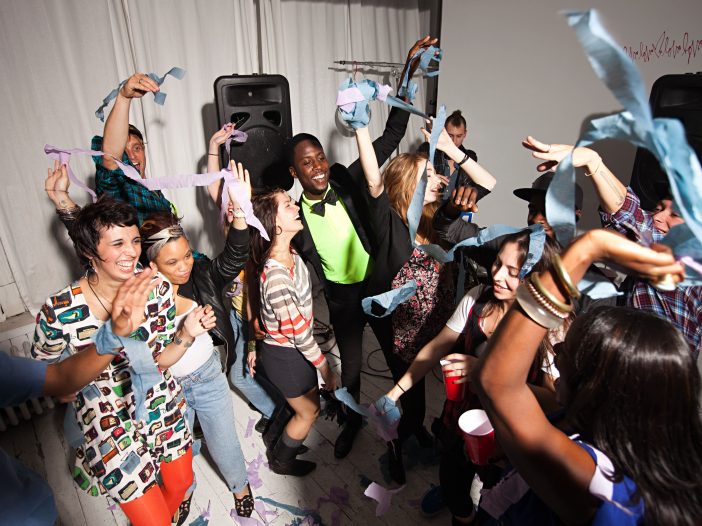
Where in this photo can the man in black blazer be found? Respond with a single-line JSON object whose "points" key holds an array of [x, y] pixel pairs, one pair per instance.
{"points": [[337, 242]]}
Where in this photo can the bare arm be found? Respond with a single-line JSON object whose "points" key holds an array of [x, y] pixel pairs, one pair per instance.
{"points": [[116, 131], [218, 139], [426, 359], [56, 187], [369, 163], [477, 173], [610, 191], [556, 468], [75, 372], [199, 321]]}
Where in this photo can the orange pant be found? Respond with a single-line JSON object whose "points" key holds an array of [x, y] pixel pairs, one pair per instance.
{"points": [[157, 506]]}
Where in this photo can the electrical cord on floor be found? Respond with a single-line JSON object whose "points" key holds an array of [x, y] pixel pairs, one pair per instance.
{"points": [[323, 333]]}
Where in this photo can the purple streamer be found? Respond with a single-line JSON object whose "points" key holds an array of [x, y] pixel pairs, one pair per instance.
{"points": [[249, 427], [160, 183], [252, 471]]}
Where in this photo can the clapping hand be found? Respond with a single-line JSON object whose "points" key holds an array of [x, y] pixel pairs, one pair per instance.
{"points": [[129, 305]]}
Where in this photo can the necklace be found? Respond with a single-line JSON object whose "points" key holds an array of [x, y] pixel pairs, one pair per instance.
{"points": [[97, 296]]}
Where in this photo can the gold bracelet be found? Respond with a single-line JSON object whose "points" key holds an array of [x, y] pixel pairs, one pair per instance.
{"points": [[564, 277], [544, 302], [594, 171], [563, 307]]}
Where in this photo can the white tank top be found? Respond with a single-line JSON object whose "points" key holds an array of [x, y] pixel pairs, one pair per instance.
{"points": [[196, 355]]}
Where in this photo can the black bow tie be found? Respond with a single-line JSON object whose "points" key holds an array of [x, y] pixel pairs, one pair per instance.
{"points": [[318, 207]]}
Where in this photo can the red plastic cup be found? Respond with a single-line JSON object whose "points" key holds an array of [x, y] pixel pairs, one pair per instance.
{"points": [[454, 392], [478, 436]]}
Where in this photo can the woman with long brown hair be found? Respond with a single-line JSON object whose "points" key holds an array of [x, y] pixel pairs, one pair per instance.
{"points": [[289, 354], [398, 260]]}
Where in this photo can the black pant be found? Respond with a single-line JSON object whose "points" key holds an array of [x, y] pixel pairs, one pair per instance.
{"points": [[456, 473], [413, 401], [348, 321]]}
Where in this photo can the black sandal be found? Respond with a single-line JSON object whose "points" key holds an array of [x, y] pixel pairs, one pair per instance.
{"points": [[182, 512], [245, 505]]}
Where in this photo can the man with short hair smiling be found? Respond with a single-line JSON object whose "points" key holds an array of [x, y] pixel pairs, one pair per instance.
{"points": [[336, 239], [125, 142]]}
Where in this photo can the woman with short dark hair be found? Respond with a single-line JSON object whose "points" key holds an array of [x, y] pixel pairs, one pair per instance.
{"points": [[117, 452]]}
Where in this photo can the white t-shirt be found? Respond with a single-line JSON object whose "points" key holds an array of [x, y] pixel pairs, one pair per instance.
{"points": [[196, 355], [459, 318]]}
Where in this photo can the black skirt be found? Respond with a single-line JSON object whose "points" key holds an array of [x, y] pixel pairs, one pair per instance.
{"points": [[288, 370]]}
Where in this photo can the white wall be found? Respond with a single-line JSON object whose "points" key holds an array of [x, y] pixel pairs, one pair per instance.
{"points": [[515, 68]]}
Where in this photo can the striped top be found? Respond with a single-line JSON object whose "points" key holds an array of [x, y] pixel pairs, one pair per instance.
{"points": [[286, 308]]}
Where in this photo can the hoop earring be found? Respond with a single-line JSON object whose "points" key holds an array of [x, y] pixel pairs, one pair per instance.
{"points": [[278, 227]]}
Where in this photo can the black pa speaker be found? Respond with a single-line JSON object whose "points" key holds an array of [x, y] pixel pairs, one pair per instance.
{"points": [[260, 106], [672, 96]]}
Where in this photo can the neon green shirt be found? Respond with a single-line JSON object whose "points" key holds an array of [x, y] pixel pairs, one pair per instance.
{"points": [[344, 260]]}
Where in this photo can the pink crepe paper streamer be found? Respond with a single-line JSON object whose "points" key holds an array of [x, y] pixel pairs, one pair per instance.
{"points": [[244, 521], [249, 427], [345, 99], [382, 495], [160, 183], [383, 91], [252, 469], [385, 432]]}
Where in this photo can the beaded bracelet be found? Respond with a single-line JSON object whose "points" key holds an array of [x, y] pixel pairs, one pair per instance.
{"points": [[534, 309], [545, 303], [559, 305]]}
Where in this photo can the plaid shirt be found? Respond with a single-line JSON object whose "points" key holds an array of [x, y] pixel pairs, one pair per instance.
{"points": [[683, 306], [122, 188]]}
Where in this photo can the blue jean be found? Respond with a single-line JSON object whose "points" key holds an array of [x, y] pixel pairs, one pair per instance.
{"points": [[207, 394], [238, 375]]}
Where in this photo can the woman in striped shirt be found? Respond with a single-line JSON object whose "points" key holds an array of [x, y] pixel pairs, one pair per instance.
{"points": [[288, 353]]}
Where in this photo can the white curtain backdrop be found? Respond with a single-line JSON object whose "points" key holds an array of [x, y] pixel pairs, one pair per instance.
{"points": [[61, 58]]}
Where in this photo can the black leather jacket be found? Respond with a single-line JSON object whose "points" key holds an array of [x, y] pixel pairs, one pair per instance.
{"points": [[208, 285]]}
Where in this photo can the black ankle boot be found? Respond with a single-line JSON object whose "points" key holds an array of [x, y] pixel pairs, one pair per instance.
{"points": [[344, 442], [395, 464], [281, 460]]}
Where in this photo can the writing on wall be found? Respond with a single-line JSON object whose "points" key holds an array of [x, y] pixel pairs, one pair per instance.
{"points": [[685, 48]]}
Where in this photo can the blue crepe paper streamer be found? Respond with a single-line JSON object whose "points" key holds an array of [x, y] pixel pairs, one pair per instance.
{"points": [[537, 239], [142, 367], [389, 300], [399, 103], [360, 116], [414, 212], [390, 413], [426, 56], [159, 97], [664, 138], [409, 92]]}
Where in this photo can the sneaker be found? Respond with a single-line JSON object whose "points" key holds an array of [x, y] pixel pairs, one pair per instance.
{"points": [[432, 502]]}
